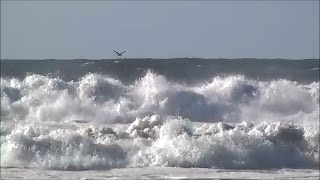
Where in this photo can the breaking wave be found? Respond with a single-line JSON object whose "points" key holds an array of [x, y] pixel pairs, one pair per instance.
{"points": [[99, 122]]}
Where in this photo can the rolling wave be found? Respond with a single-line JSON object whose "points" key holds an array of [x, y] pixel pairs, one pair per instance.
{"points": [[101, 122]]}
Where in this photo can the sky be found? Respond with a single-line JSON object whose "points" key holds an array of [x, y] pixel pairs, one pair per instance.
{"points": [[159, 29]]}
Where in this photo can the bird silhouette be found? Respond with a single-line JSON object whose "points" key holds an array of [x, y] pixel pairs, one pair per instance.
{"points": [[119, 54]]}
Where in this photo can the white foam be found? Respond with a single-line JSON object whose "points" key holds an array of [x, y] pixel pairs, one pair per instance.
{"points": [[47, 122], [155, 141]]}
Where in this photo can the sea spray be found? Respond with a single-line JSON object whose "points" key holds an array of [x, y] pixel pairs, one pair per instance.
{"points": [[161, 141], [100, 122]]}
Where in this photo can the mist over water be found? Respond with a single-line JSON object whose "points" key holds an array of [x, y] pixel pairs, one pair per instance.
{"points": [[172, 113]]}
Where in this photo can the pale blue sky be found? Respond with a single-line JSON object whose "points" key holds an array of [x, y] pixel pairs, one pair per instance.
{"points": [[161, 29]]}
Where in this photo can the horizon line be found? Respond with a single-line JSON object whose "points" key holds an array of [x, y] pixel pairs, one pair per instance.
{"points": [[124, 58]]}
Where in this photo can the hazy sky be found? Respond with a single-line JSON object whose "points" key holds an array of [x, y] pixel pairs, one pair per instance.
{"points": [[160, 29]]}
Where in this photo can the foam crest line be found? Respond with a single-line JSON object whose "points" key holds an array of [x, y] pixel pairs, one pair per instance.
{"points": [[99, 98], [155, 141]]}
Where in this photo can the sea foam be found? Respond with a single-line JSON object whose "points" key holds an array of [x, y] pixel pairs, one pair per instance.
{"points": [[98, 122]]}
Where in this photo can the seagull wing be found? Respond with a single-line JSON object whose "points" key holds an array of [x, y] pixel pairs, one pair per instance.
{"points": [[117, 52]]}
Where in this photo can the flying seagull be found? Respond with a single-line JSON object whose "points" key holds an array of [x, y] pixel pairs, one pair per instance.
{"points": [[119, 54]]}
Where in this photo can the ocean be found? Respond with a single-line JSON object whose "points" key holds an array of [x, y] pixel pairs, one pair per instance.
{"points": [[181, 118]]}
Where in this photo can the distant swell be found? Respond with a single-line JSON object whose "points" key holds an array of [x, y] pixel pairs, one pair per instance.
{"points": [[100, 122]]}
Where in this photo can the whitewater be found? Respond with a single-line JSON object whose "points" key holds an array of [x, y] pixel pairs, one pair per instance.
{"points": [[170, 119]]}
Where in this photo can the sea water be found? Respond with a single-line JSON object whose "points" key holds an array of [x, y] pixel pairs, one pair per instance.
{"points": [[173, 118]]}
